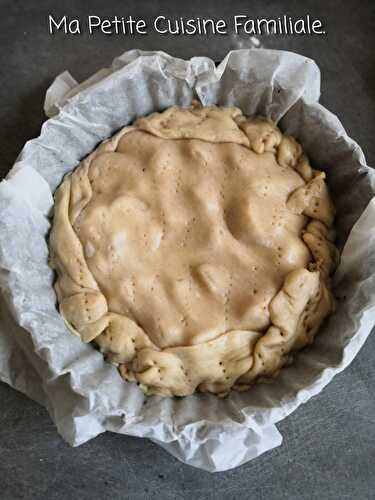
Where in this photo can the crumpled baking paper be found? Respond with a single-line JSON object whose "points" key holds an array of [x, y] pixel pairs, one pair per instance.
{"points": [[84, 395]]}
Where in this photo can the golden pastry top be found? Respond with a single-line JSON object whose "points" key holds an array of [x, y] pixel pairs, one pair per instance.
{"points": [[195, 248]]}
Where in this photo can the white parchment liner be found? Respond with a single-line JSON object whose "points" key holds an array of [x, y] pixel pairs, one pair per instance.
{"points": [[85, 395]]}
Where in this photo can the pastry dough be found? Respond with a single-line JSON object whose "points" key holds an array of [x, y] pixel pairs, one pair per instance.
{"points": [[195, 248]]}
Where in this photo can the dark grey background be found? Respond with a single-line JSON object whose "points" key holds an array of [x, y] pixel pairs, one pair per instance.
{"points": [[329, 443]]}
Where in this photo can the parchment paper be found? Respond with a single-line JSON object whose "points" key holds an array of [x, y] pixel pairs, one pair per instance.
{"points": [[85, 395]]}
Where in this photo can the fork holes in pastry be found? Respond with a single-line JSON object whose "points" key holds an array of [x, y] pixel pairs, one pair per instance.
{"points": [[164, 223], [184, 321]]}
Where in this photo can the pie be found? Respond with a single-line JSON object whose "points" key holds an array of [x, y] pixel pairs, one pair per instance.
{"points": [[195, 248]]}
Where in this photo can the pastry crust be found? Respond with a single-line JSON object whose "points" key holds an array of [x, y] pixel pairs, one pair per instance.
{"points": [[195, 249]]}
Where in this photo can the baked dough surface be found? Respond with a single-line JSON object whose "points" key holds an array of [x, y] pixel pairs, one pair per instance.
{"points": [[195, 249]]}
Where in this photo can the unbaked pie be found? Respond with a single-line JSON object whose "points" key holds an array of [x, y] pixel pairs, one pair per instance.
{"points": [[195, 248]]}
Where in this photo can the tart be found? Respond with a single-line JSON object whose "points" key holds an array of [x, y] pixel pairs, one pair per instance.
{"points": [[195, 248]]}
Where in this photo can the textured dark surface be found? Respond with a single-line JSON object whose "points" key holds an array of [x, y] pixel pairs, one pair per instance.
{"points": [[329, 443]]}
